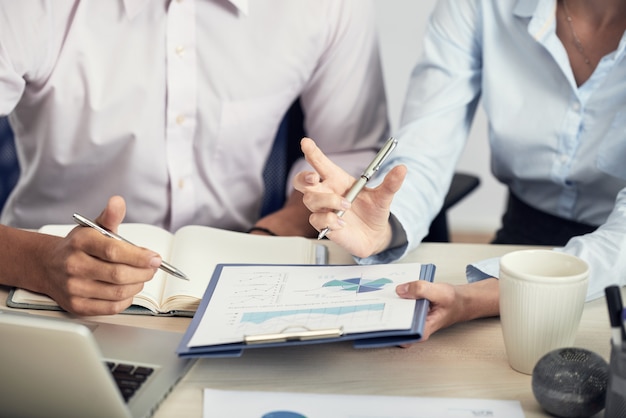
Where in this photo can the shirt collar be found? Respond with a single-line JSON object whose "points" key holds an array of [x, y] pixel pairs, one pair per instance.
{"points": [[542, 15], [133, 7]]}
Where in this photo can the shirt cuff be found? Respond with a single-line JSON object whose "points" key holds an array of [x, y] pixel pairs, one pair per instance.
{"points": [[386, 257], [398, 234], [483, 270]]}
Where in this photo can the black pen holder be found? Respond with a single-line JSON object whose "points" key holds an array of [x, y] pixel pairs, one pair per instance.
{"points": [[616, 391]]}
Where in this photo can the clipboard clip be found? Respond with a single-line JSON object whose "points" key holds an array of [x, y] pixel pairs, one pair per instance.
{"points": [[302, 334]]}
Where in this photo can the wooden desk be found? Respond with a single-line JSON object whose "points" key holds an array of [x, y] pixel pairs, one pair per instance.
{"points": [[467, 360]]}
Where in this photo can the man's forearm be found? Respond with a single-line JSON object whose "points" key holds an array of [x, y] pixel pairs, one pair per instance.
{"points": [[291, 220], [19, 251]]}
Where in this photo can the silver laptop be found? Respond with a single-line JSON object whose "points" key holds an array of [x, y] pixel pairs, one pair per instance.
{"points": [[53, 367]]}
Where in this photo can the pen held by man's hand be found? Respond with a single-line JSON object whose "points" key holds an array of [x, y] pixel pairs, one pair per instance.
{"points": [[166, 267]]}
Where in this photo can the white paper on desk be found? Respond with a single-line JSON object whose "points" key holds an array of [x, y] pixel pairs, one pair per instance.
{"points": [[267, 299], [248, 404]]}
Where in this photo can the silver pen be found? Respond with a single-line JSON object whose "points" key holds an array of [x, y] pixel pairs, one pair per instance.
{"points": [[365, 177], [83, 221]]}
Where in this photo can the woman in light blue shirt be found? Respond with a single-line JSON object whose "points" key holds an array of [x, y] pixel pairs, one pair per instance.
{"points": [[551, 76]]}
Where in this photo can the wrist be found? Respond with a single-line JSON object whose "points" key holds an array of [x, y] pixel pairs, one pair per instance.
{"points": [[393, 235], [479, 299]]}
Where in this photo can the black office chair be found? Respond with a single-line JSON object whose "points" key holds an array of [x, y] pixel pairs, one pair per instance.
{"points": [[462, 185], [9, 167], [286, 150]]}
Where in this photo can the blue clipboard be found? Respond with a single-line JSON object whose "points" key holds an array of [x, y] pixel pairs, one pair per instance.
{"points": [[300, 336]]}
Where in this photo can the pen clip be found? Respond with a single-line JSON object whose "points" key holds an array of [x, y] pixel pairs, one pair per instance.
{"points": [[380, 158], [302, 335]]}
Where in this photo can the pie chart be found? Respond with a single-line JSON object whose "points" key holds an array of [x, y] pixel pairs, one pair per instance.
{"points": [[359, 285], [283, 414]]}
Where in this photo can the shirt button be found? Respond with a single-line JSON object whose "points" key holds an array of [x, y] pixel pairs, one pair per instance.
{"points": [[576, 106], [181, 183], [180, 50], [180, 119], [564, 158]]}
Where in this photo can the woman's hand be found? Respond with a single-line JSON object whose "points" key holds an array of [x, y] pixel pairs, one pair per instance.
{"points": [[364, 228], [450, 304]]}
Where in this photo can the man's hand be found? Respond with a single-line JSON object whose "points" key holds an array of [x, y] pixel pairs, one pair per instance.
{"points": [[364, 228], [86, 273]]}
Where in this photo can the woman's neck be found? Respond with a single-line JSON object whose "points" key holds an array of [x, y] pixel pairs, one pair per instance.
{"points": [[589, 30]]}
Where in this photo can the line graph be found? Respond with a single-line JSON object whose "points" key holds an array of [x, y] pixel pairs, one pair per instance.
{"points": [[260, 317]]}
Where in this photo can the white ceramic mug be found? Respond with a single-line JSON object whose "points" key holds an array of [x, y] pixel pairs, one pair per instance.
{"points": [[542, 295]]}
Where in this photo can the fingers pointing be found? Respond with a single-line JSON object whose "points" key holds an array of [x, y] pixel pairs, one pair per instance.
{"points": [[318, 160]]}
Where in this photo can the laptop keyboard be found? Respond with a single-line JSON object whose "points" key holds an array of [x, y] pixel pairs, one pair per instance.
{"points": [[129, 377]]}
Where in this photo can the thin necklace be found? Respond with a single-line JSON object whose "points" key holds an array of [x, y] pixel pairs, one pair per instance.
{"points": [[577, 43]]}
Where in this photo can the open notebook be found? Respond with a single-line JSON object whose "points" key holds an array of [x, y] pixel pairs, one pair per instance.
{"points": [[60, 368], [195, 250]]}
